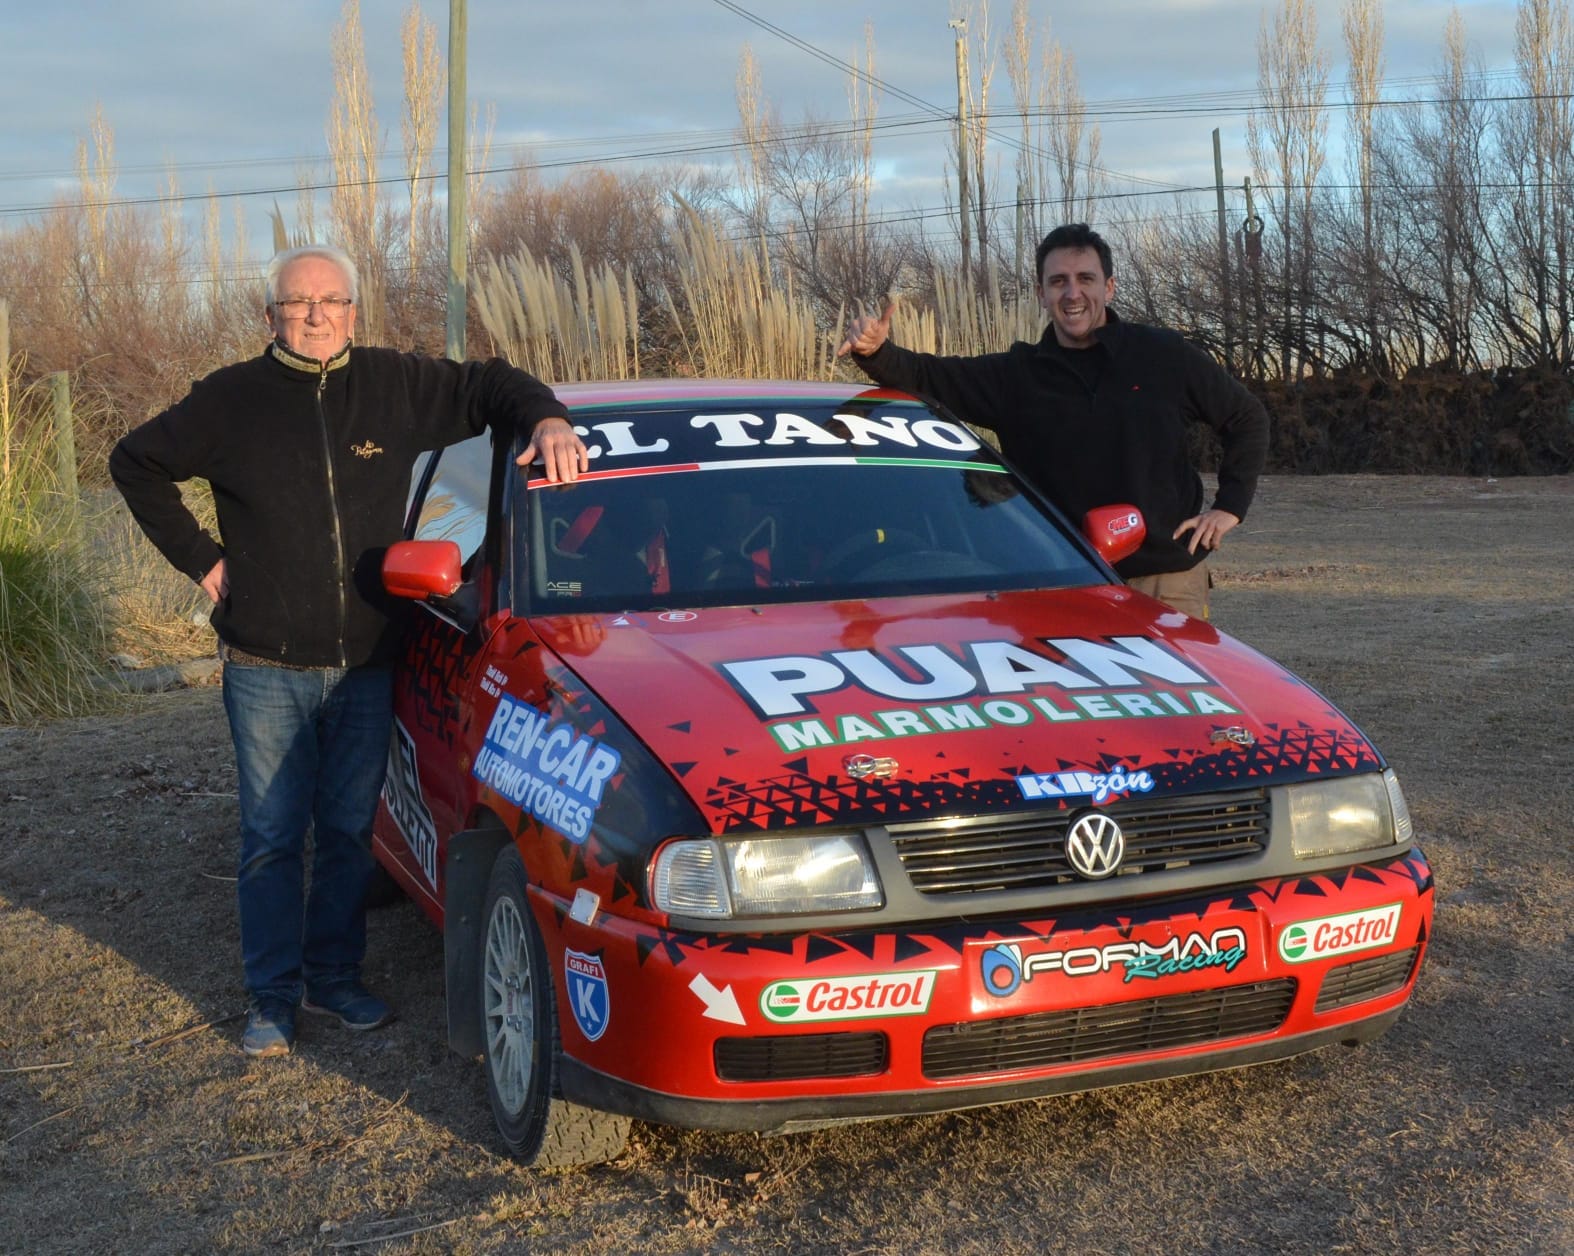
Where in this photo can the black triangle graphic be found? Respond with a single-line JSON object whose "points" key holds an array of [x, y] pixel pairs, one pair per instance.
{"points": [[821, 947], [909, 947], [863, 943]]}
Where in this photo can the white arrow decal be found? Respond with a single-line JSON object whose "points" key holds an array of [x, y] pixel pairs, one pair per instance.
{"points": [[720, 1004]]}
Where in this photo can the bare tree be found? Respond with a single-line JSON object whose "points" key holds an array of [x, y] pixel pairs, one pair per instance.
{"points": [[805, 193], [354, 142], [1363, 38], [1538, 135], [1057, 165], [96, 180], [1072, 144], [982, 66], [1018, 55], [423, 88], [1432, 179], [1286, 135]]}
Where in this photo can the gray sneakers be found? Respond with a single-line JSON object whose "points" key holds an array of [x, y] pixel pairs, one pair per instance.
{"points": [[270, 1029]]}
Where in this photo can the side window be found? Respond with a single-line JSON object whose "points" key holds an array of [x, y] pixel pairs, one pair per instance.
{"points": [[454, 508]]}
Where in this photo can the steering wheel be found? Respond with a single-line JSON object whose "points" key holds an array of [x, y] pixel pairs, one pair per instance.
{"points": [[854, 550]]}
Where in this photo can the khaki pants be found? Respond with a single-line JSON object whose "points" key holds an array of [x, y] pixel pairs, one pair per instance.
{"points": [[1186, 591]]}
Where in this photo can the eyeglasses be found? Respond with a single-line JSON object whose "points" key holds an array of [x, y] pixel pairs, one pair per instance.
{"points": [[299, 307]]}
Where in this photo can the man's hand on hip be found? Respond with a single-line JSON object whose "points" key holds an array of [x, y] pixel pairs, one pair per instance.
{"points": [[216, 584], [1207, 529]]}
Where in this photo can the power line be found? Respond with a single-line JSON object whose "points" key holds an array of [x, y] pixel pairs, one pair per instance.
{"points": [[832, 60], [864, 76]]}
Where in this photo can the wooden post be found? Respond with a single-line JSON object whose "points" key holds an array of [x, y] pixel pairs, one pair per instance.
{"points": [[1224, 258], [963, 153], [65, 436], [65, 449]]}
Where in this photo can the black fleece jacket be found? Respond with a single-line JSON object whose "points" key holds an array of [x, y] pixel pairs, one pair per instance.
{"points": [[1103, 425], [310, 466]]}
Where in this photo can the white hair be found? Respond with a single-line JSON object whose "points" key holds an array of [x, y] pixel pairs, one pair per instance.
{"points": [[327, 252]]}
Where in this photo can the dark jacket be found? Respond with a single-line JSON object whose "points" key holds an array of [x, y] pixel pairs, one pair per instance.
{"points": [[310, 467], [1121, 440]]}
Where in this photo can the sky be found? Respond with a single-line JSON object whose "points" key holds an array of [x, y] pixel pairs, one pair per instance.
{"points": [[234, 99]]}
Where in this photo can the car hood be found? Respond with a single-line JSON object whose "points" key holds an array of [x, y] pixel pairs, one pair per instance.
{"points": [[778, 716]]}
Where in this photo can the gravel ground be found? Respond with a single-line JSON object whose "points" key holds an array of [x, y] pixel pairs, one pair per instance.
{"points": [[1434, 611]]}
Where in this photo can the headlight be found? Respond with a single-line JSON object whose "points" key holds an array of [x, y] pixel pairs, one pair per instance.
{"points": [[765, 876], [1347, 814]]}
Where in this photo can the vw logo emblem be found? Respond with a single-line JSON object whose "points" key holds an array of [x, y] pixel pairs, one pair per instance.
{"points": [[1095, 846]]}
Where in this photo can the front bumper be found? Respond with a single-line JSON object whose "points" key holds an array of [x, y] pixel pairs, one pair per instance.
{"points": [[773, 1032]]}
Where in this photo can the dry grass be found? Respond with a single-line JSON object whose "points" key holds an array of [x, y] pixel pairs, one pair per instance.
{"points": [[733, 320], [157, 614], [584, 327], [723, 314], [52, 625]]}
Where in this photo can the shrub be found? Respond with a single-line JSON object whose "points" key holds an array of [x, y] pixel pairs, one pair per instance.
{"points": [[52, 624]]}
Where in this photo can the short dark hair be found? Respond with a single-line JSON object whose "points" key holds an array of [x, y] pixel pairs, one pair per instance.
{"points": [[1073, 235]]}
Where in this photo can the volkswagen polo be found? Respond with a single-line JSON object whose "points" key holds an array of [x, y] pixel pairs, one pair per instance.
{"points": [[800, 764]]}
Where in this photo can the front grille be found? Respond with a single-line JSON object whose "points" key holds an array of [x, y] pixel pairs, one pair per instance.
{"points": [[1090, 1033], [1365, 979], [790, 1057], [1029, 851]]}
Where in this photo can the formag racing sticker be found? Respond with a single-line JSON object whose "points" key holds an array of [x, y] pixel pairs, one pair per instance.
{"points": [[1005, 966], [553, 771]]}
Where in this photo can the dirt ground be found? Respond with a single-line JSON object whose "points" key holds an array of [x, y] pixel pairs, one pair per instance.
{"points": [[1436, 612]]}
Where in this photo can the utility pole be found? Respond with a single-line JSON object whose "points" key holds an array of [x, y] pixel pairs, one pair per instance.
{"points": [[458, 213], [1224, 257], [963, 150]]}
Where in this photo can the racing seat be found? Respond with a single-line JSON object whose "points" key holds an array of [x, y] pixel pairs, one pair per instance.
{"points": [[594, 551], [740, 553]]}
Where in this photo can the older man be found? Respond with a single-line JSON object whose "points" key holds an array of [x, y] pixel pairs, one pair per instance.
{"points": [[1096, 413], [309, 448]]}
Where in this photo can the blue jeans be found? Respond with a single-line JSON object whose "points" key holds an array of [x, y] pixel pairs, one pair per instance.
{"points": [[311, 747]]}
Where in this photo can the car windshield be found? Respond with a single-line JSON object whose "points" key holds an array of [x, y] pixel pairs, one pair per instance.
{"points": [[784, 501]]}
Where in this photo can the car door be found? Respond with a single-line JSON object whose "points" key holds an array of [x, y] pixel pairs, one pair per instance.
{"points": [[458, 495]]}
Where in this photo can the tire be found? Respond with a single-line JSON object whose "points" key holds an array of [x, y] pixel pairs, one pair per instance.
{"points": [[519, 1037]]}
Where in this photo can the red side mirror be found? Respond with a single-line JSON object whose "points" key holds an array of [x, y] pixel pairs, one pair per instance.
{"points": [[1115, 531], [421, 569]]}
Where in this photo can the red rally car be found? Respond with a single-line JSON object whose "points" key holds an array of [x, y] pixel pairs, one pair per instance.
{"points": [[800, 764]]}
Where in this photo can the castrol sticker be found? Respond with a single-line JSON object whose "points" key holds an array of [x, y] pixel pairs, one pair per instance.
{"points": [[1309, 940], [848, 998]]}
